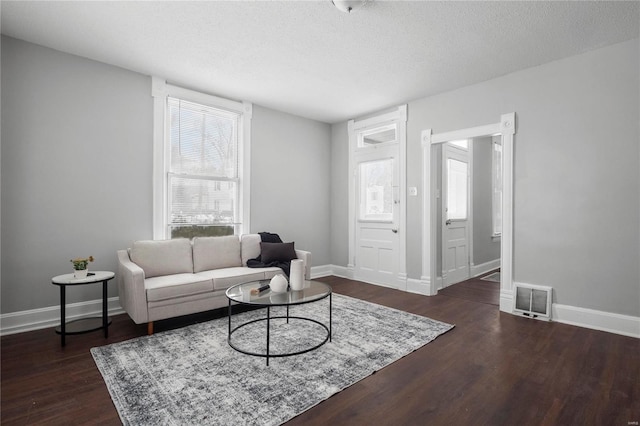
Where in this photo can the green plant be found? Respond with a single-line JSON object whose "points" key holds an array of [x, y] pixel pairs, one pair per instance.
{"points": [[80, 264]]}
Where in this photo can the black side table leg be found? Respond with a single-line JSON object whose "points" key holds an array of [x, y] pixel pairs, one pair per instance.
{"points": [[105, 321], [62, 314]]}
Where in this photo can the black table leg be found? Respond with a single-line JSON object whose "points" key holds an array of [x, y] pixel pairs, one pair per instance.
{"points": [[268, 324], [105, 320], [62, 314], [229, 335], [330, 316]]}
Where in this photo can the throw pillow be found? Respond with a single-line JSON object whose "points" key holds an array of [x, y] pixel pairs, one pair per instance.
{"points": [[277, 252]]}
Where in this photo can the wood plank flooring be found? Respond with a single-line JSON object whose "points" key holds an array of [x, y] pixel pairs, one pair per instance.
{"points": [[491, 369]]}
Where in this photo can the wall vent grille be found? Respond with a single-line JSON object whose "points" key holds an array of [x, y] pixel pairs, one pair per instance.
{"points": [[533, 301]]}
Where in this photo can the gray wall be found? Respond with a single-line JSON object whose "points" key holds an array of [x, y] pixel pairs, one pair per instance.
{"points": [[339, 194], [77, 172], [485, 249], [290, 181], [76, 169], [577, 185]]}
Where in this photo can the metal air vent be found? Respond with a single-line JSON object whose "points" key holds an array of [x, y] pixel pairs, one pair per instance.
{"points": [[533, 301]]}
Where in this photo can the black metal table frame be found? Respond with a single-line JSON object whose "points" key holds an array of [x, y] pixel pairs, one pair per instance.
{"points": [[105, 317], [268, 319]]}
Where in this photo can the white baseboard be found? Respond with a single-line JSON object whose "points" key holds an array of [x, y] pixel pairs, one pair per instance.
{"points": [[402, 281], [421, 286], [625, 325], [483, 268], [321, 271], [339, 271], [506, 301], [36, 319], [582, 317]]}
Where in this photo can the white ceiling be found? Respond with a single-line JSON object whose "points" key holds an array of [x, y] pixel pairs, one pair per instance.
{"points": [[309, 59]]}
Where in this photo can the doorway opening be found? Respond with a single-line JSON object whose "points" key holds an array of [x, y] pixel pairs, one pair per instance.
{"points": [[431, 144], [469, 196]]}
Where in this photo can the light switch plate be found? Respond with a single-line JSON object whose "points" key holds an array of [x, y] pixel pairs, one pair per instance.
{"points": [[413, 191]]}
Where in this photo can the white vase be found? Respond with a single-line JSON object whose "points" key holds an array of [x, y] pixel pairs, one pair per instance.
{"points": [[278, 284], [80, 273], [296, 275]]}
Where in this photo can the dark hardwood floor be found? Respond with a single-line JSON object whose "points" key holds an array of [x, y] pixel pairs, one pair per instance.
{"points": [[476, 290], [491, 369]]}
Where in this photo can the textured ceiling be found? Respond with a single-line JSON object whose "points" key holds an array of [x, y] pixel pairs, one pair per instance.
{"points": [[309, 59]]}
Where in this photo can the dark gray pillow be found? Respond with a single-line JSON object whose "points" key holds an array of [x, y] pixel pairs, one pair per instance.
{"points": [[277, 252]]}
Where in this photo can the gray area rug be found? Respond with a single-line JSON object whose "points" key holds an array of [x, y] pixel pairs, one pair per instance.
{"points": [[190, 376]]}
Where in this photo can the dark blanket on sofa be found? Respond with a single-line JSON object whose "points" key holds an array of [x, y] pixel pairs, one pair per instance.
{"points": [[268, 237]]}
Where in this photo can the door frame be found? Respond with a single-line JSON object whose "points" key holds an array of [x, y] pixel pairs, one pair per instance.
{"points": [[397, 115], [507, 128]]}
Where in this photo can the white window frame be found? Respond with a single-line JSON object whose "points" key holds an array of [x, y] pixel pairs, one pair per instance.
{"points": [[160, 91]]}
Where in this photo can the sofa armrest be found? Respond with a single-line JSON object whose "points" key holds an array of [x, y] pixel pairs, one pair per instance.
{"points": [[306, 256], [131, 291]]}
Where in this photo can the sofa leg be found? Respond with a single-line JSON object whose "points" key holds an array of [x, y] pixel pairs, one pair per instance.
{"points": [[150, 328]]}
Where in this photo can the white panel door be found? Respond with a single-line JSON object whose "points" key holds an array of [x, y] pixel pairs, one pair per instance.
{"points": [[377, 241], [455, 230]]}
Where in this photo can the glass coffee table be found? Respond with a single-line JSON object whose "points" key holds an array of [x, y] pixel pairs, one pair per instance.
{"points": [[312, 291]]}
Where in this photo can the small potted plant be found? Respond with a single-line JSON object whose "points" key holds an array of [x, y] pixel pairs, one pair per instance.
{"points": [[80, 266]]}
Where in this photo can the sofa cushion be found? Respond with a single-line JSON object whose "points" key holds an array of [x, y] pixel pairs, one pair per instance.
{"points": [[277, 252], [216, 252], [166, 257], [225, 278], [250, 247], [178, 285]]}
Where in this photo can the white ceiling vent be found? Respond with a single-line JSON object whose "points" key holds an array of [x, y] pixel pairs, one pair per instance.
{"points": [[533, 301]]}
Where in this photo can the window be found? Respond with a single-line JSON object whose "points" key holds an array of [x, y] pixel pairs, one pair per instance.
{"points": [[377, 136], [497, 186], [201, 184], [457, 189], [376, 190]]}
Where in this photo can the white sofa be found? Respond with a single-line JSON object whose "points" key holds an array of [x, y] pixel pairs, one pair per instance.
{"points": [[164, 279]]}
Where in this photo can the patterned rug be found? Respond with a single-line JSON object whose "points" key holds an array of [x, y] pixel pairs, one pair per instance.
{"points": [[191, 376]]}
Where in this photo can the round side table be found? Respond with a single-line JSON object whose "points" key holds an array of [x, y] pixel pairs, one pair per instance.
{"points": [[83, 325]]}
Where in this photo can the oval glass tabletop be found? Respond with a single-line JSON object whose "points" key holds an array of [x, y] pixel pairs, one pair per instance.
{"points": [[312, 291]]}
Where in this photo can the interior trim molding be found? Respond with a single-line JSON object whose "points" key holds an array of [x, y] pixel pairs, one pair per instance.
{"points": [[421, 286], [37, 319], [625, 325], [321, 271], [505, 127], [506, 300], [483, 268]]}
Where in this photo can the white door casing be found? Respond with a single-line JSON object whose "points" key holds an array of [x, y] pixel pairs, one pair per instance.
{"points": [[455, 214], [506, 127], [377, 239]]}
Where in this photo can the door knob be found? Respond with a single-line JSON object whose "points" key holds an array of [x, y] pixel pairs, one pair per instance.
{"points": [[395, 231], [448, 222]]}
